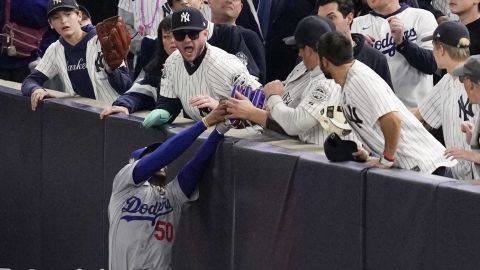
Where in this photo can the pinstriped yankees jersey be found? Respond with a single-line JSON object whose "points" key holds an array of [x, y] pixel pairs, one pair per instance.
{"points": [[311, 91], [410, 84], [143, 222], [448, 106], [216, 75], [365, 98], [475, 143], [54, 62]]}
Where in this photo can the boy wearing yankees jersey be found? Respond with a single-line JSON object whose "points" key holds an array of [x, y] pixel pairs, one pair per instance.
{"points": [[144, 211], [396, 30], [77, 58], [296, 103], [447, 104], [469, 74], [377, 116]]}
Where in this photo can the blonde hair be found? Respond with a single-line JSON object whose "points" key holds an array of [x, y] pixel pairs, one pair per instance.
{"points": [[456, 53]]}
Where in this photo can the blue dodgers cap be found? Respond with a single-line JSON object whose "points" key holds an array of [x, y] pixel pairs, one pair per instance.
{"points": [[469, 69], [188, 19], [54, 5], [139, 153], [451, 33], [309, 30]]}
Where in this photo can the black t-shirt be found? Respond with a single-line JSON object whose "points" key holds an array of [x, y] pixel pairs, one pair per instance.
{"points": [[474, 30], [372, 58]]}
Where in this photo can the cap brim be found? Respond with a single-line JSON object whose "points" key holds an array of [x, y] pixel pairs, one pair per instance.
{"points": [[459, 71], [427, 38], [290, 41], [188, 28], [61, 7]]}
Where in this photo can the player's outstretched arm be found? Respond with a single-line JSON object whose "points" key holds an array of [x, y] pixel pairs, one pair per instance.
{"points": [[192, 173], [172, 148]]}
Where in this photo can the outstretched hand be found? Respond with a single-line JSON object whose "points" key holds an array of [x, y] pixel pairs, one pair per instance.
{"points": [[203, 101], [239, 107], [217, 114], [113, 109], [37, 96]]}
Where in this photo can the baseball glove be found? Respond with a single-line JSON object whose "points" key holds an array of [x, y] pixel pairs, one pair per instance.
{"points": [[114, 40]]}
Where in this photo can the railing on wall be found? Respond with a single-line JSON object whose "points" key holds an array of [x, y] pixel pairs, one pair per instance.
{"points": [[266, 203]]}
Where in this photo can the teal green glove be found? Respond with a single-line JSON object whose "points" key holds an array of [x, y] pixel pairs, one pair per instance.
{"points": [[156, 118]]}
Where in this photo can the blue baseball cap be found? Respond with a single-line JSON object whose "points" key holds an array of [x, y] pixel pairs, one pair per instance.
{"points": [[54, 5], [451, 33], [139, 153], [188, 19], [309, 30]]}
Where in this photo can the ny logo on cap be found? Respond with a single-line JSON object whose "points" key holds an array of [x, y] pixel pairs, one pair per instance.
{"points": [[185, 17], [56, 2]]}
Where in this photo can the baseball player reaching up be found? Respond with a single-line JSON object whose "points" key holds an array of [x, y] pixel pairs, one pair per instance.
{"points": [[447, 104], [144, 210], [376, 115], [77, 58], [195, 76]]}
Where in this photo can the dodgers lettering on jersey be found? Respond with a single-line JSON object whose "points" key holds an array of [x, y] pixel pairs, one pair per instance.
{"points": [[410, 84], [143, 222], [135, 209], [366, 98], [218, 72], [387, 44], [448, 106]]}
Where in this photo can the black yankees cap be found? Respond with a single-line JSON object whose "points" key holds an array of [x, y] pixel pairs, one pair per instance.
{"points": [[54, 5], [188, 19], [451, 33], [337, 149], [309, 30]]}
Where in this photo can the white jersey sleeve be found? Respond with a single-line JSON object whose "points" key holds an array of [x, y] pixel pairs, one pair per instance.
{"points": [[49, 65], [167, 81], [124, 179], [431, 106]]}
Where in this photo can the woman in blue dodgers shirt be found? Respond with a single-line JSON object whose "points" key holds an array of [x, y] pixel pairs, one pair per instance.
{"points": [[144, 211]]}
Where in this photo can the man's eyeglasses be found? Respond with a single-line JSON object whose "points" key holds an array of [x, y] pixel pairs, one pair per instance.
{"points": [[180, 35]]}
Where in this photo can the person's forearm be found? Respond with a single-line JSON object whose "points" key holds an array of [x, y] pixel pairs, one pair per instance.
{"points": [[33, 82], [259, 116], [192, 173], [293, 121], [390, 125]]}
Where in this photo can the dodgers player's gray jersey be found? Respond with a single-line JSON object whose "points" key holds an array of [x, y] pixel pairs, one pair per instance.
{"points": [[143, 222], [410, 85], [365, 98], [448, 106], [54, 63], [218, 72]]}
